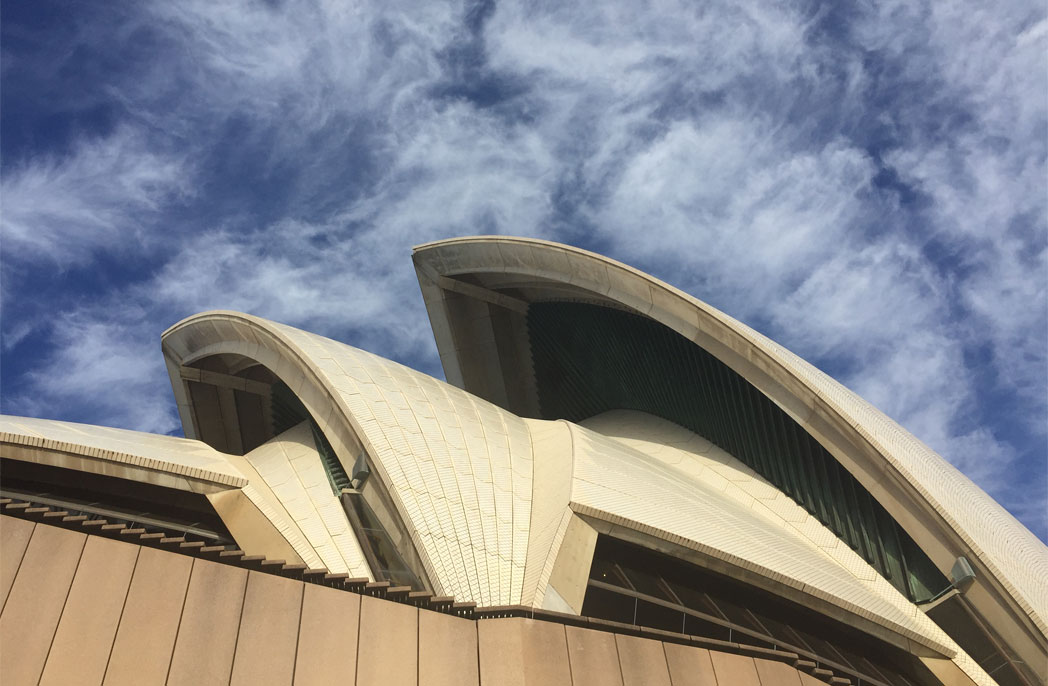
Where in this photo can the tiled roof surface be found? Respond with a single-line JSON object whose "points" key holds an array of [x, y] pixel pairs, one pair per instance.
{"points": [[289, 465], [176, 456], [485, 493], [652, 475], [463, 470], [460, 466], [1013, 554]]}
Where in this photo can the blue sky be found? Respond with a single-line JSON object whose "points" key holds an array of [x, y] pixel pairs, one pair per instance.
{"points": [[866, 185]]}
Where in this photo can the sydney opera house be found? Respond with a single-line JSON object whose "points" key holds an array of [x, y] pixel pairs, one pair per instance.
{"points": [[617, 484]]}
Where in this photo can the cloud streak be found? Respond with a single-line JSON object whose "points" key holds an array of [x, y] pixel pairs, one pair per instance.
{"points": [[103, 195], [864, 186]]}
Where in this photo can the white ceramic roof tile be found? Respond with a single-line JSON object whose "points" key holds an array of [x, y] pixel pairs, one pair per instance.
{"points": [[292, 468], [1013, 554], [443, 452], [474, 545], [161, 453], [292, 534], [551, 462], [615, 475]]}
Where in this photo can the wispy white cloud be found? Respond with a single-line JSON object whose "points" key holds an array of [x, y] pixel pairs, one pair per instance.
{"points": [[102, 369], [106, 194], [867, 188], [728, 209], [985, 177], [882, 310]]}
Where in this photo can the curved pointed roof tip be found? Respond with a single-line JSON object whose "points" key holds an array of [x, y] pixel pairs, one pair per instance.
{"points": [[415, 429], [477, 289]]}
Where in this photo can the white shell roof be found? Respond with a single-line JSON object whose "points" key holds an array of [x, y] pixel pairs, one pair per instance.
{"points": [[1016, 558], [486, 494], [459, 467]]}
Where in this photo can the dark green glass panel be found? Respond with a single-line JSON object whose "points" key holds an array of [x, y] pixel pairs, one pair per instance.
{"points": [[383, 556], [336, 473], [286, 409]]}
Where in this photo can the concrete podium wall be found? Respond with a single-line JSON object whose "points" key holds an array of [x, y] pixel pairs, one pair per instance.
{"points": [[83, 609]]}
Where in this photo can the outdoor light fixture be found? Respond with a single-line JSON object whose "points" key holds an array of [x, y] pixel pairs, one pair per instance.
{"points": [[962, 576]]}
